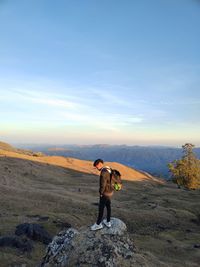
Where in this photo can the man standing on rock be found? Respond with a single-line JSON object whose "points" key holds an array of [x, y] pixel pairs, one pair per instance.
{"points": [[105, 192]]}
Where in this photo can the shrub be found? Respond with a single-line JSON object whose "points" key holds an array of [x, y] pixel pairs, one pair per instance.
{"points": [[186, 171]]}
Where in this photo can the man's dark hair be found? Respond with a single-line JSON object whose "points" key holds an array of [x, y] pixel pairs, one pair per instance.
{"points": [[97, 162]]}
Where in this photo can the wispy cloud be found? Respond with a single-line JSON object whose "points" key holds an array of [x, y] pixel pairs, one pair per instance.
{"points": [[55, 102], [51, 101], [110, 122], [41, 98], [68, 109]]}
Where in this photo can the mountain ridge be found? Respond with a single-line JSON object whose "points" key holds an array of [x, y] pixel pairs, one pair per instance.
{"points": [[83, 165]]}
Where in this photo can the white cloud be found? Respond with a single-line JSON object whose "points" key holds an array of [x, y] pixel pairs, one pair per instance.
{"points": [[49, 99], [69, 109], [110, 122], [54, 102]]}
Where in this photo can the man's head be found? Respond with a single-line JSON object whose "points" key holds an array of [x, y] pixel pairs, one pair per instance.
{"points": [[98, 163]]}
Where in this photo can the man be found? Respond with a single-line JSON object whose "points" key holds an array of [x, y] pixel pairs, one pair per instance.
{"points": [[105, 192]]}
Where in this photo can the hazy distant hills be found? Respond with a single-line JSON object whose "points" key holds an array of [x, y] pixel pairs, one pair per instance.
{"points": [[152, 159]]}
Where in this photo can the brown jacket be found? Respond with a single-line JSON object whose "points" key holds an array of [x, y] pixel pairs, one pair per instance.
{"points": [[104, 183]]}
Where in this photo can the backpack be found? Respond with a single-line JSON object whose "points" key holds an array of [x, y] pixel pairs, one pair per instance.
{"points": [[115, 179]]}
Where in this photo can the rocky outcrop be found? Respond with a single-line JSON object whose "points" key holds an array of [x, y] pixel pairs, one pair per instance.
{"points": [[110, 247]]}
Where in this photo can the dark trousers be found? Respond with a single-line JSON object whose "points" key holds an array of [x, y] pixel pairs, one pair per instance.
{"points": [[104, 201]]}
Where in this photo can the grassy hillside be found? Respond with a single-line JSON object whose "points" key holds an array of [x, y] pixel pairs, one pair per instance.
{"points": [[163, 220], [81, 165], [6, 146], [153, 159]]}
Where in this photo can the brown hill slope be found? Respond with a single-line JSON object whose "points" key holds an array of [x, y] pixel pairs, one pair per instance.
{"points": [[83, 165], [6, 146]]}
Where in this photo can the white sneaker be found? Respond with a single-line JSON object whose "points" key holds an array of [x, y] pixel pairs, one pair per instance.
{"points": [[95, 227], [108, 224]]}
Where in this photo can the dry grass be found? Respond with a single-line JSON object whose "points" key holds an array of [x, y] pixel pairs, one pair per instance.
{"points": [[84, 166], [164, 221]]}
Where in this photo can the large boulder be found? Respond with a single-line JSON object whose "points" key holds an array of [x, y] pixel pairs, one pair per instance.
{"points": [[34, 231], [105, 247]]}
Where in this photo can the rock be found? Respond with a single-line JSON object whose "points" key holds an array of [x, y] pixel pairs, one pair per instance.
{"points": [[34, 231], [110, 247], [118, 227], [57, 249], [22, 244]]}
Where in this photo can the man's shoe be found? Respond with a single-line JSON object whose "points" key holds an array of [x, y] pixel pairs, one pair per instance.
{"points": [[108, 224], [96, 226]]}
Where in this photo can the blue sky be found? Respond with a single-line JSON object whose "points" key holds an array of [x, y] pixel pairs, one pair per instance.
{"points": [[87, 72]]}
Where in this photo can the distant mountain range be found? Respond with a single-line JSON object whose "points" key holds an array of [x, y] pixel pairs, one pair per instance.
{"points": [[152, 159]]}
